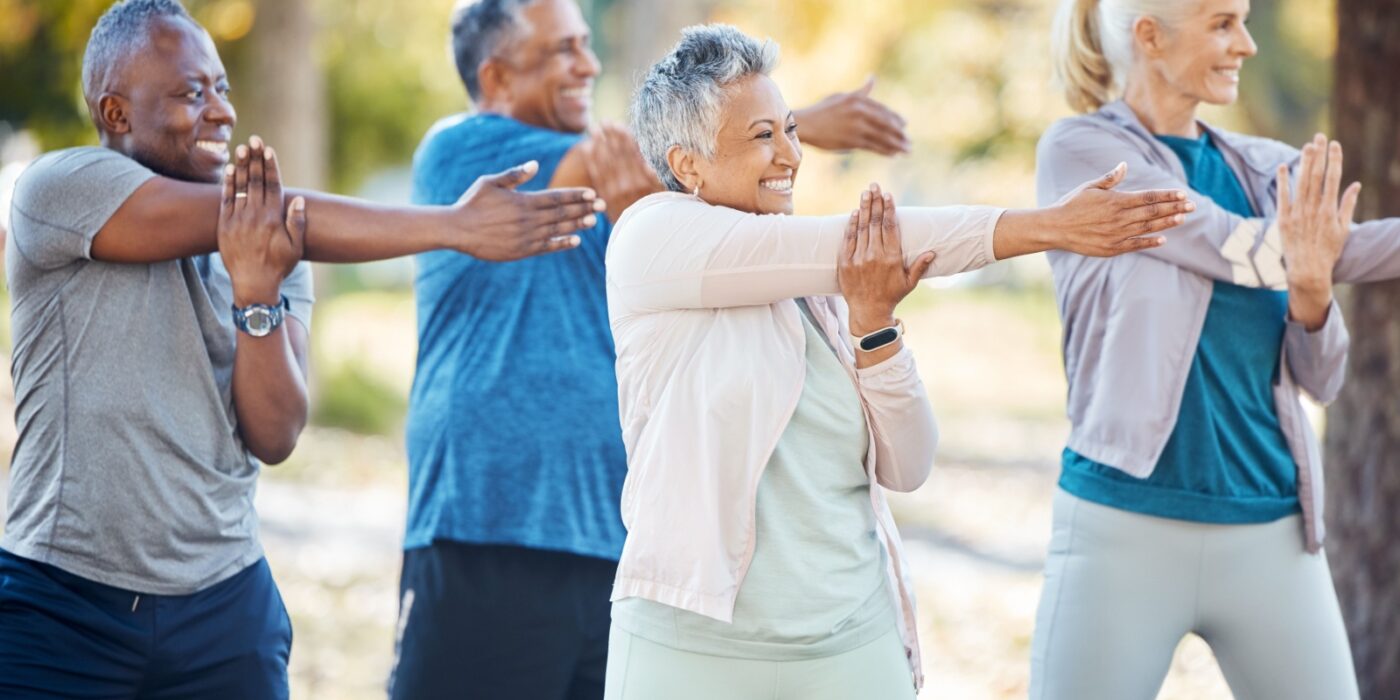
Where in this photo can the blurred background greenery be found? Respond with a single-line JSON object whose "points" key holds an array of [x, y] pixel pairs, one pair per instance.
{"points": [[346, 88]]}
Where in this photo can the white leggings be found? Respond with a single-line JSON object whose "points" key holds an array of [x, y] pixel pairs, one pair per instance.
{"points": [[1121, 589]]}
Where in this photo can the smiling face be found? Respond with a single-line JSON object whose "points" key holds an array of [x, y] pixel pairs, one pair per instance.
{"points": [[1200, 57], [548, 67], [756, 154], [167, 105]]}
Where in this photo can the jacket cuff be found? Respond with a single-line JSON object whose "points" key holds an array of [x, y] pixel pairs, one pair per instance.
{"points": [[1318, 358]]}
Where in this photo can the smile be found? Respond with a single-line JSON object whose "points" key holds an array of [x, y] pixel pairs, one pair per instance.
{"points": [[578, 93], [218, 148], [1231, 74], [783, 185]]}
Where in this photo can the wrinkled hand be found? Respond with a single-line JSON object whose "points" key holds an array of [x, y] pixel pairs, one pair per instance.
{"points": [[871, 269], [259, 244], [616, 167], [853, 120], [493, 221], [1096, 220], [1314, 226]]}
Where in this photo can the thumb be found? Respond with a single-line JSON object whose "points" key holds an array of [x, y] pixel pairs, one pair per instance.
{"points": [[516, 176], [920, 268], [296, 219], [869, 85], [1113, 178]]}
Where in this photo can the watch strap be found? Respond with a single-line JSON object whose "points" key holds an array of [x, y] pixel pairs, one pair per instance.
{"points": [[870, 342]]}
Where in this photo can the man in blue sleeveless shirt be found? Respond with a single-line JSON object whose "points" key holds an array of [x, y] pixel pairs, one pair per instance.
{"points": [[515, 453]]}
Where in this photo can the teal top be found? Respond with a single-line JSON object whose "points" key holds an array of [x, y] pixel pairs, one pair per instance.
{"points": [[816, 586], [1226, 460]]}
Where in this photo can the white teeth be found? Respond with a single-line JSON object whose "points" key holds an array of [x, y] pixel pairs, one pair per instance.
{"points": [[576, 93], [218, 148], [784, 185]]}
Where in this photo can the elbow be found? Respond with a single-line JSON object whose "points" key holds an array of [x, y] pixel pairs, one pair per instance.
{"points": [[914, 463], [275, 451]]}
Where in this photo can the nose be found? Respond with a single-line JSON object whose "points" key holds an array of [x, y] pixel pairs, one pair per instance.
{"points": [[587, 65], [1245, 44], [788, 153], [219, 110]]}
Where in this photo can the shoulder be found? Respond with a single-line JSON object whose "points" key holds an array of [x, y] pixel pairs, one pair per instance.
{"points": [[1083, 132], [81, 172]]}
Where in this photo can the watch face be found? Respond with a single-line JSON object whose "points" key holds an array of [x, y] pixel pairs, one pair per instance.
{"points": [[879, 339], [259, 321]]}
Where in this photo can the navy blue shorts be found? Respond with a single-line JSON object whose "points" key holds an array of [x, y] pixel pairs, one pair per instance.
{"points": [[63, 636], [501, 623]]}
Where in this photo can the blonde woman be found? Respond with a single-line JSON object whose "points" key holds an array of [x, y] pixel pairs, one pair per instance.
{"points": [[1191, 493]]}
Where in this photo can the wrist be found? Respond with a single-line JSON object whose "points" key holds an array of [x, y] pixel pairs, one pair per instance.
{"points": [[256, 293], [1025, 231], [865, 323]]}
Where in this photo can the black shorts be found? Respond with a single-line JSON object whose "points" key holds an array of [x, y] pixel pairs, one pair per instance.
{"points": [[501, 623]]}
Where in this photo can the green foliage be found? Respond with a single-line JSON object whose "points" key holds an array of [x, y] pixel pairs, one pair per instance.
{"points": [[351, 397]]}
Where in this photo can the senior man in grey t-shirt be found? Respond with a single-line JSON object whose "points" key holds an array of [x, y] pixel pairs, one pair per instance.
{"points": [[160, 319]]}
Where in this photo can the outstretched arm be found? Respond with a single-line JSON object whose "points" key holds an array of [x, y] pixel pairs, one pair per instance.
{"points": [[166, 219], [851, 120]]}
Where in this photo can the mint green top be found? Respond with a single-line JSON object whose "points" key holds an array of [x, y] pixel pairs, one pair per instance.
{"points": [[817, 585]]}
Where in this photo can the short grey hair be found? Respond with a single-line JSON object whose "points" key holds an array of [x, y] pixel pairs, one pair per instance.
{"points": [[679, 101], [478, 28], [122, 30]]}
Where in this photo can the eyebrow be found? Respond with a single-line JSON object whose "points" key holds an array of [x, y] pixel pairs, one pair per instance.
{"points": [[756, 122]]}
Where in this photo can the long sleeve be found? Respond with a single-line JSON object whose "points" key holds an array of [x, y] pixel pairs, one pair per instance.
{"points": [[672, 251], [1318, 360], [1213, 242], [902, 420]]}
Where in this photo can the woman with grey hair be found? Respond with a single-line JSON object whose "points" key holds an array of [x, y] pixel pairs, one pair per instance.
{"points": [[1190, 499], [766, 396]]}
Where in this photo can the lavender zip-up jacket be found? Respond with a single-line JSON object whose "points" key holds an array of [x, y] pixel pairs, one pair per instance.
{"points": [[1132, 322]]}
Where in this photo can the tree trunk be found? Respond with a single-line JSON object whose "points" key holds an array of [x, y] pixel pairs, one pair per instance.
{"points": [[283, 95], [1363, 434]]}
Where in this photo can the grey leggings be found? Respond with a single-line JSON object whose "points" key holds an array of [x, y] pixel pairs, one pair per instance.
{"points": [[1121, 589]]}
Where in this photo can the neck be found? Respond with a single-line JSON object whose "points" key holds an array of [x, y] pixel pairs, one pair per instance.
{"points": [[1161, 109]]}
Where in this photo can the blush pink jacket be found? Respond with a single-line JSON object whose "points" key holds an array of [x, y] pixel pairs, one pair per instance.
{"points": [[710, 366]]}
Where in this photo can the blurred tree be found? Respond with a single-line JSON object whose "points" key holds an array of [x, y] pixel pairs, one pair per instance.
{"points": [[1363, 433]]}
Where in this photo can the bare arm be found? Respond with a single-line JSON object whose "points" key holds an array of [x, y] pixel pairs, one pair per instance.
{"points": [[609, 162], [167, 219], [260, 248]]}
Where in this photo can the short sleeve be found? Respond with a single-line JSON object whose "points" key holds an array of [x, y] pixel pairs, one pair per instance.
{"points": [[300, 292], [63, 200]]}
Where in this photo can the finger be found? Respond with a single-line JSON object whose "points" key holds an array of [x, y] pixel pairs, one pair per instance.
{"points": [[296, 221], [1160, 224], [1308, 178], [240, 178], [877, 223], [562, 197], [556, 244], [890, 228], [227, 201], [516, 176], [920, 267], [1285, 200], [1140, 243], [1332, 183], [1147, 198], [580, 212], [1349, 198], [848, 245], [1111, 179], [869, 85], [863, 226], [1166, 204], [272, 173], [257, 193]]}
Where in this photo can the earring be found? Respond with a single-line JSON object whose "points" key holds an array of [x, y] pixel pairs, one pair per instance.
{"points": [[696, 191]]}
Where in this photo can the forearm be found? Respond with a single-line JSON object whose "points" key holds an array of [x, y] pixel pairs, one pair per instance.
{"points": [[269, 394], [344, 230], [1023, 232], [1309, 302]]}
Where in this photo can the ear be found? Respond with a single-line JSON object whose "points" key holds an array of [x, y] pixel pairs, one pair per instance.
{"points": [[112, 113], [683, 165], [491, 75], [1148, 36]]}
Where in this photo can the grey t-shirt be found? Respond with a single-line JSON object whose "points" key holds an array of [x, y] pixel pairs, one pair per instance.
{"points": [[129, 470]]}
